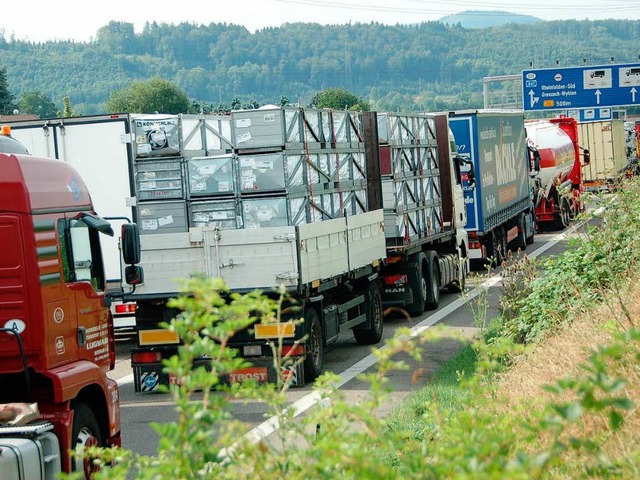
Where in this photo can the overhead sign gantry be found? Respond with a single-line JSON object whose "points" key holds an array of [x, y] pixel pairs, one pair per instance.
{"points": [[602, 86]]}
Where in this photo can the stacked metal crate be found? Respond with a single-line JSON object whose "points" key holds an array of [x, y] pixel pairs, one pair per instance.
{"points": [[298, 165], [410, 176], [158, 174], [253, 168], [163, 147]]}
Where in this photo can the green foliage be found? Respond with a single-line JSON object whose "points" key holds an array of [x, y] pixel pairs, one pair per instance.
{"points": [[418, 67], [37, 103], [338, 99], [7, 100], [608, 253], [337, 440], [151, 96], [67, 111], [452, 429]]}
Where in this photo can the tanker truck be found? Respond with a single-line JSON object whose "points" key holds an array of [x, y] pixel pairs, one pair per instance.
{"points": [[56, 331], [557, 165]]}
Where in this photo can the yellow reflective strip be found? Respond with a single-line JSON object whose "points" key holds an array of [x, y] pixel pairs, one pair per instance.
{"points": [[157, 337], [282, 330]]}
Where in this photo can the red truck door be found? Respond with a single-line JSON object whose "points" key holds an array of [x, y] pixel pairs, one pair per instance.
{"points": [[86, 284]]}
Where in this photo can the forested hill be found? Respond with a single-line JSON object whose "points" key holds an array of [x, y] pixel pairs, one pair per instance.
{"points": [[427, 66]]}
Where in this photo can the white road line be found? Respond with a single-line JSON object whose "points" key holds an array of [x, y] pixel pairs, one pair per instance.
{"points": [[124, 380]]}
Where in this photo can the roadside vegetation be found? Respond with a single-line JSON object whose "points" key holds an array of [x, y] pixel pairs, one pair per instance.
{"points": [[548, 389]]}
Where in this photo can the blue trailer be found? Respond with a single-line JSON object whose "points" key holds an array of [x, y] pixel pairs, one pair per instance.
{"points": [[496, 182]]}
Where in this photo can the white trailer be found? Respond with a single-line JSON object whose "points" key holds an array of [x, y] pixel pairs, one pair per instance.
{"points": [[606, 142], [103, 149]]}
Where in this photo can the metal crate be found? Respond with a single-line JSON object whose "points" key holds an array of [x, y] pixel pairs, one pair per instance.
{"points": [[262, 173], [287, 127], [221, 214], [156, 135], [159, 179], [319, 206], [264, 212], [324, 169], [162, 217], [406, 129], [205, 135], [211, 176]]}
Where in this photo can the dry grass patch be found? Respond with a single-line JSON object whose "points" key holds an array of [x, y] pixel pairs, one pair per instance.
{"points": [[565, 354]]}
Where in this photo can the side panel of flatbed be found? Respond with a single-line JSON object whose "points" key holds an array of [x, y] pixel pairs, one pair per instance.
{"points": [[263, 258]]}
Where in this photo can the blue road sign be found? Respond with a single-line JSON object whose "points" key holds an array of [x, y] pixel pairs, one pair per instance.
{"points": [[584, 115], [581, 87]]}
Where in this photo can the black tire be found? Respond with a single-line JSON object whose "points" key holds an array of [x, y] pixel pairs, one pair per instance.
{"points": [[419, 288], [496, 251], [502, 252], [460, 284], [530, 238], [433, 281], [85, 433], [520, 242], [313, 361], [375, 318]]}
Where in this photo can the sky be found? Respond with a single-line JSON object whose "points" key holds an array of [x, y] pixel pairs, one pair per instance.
{"points": [[79, 20]]}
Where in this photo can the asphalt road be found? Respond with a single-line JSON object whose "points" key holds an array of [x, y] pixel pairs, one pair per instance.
{"points": [[458, 312]]}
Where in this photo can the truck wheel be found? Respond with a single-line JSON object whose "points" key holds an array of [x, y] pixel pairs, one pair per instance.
{"points": [[458, 286], [498, 248], [530, 238], [419, 288], [375, 318], [315, 347], [520, 242], [86, 433], [433, 280]]}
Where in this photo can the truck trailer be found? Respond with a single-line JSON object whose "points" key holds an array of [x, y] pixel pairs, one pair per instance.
{"points": [[496, 181], [558, 162], [423, 201], [283, 196], [606, 142], [56, 331]]}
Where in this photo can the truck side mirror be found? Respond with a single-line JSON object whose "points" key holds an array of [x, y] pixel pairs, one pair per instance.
{"points": [[586, 157], [134, 275], [471, 176], [130, 244], [534, 158]]}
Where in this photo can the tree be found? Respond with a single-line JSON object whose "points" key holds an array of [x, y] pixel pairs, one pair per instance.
{"points": [[284, 101], [149, 96], [338, 99], [68, 110], [7, 100], [38, 104]]}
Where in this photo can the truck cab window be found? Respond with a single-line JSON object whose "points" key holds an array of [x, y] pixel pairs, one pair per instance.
{"points": [[82, 256]]}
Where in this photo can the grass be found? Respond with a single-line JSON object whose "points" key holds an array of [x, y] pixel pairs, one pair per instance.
{"points": [[443, 391]]}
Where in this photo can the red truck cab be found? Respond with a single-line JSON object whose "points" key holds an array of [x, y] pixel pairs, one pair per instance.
{"points": [[56, 342]]}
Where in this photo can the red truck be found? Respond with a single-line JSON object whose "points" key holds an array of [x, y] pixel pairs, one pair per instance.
{"points": [[56, 330], [557, 164]]}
